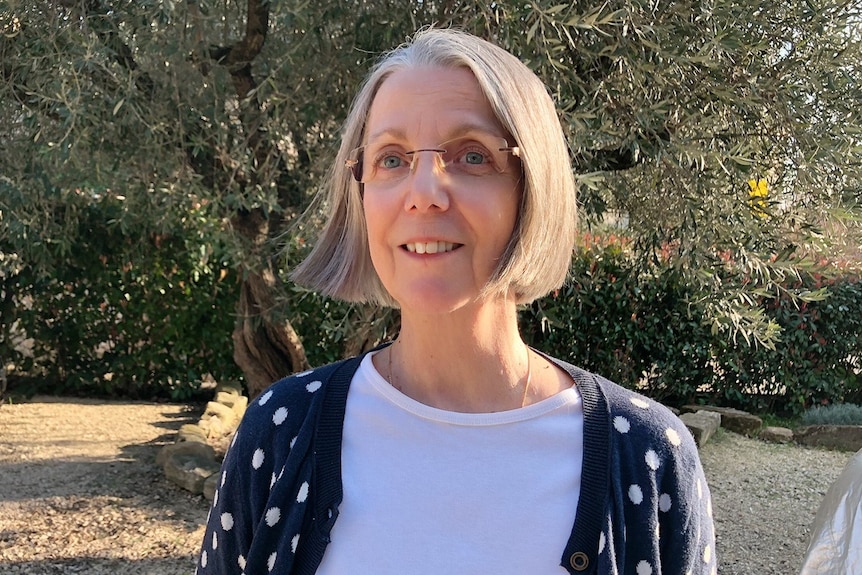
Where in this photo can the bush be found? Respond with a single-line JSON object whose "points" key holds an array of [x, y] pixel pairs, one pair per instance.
{"points": [[644, 328], [834, 414], [129, 313], [636, 328]]}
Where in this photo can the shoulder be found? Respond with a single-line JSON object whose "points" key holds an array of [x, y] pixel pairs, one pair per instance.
{"points": [[289, 406], [634, 419]]}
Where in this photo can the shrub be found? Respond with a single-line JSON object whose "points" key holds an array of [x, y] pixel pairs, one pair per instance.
{"points": [[129, 313], [636, 328], [833, 414], [644, 328]]}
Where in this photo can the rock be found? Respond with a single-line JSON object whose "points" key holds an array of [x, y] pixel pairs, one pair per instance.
{"points": [[734, 420], [776, 434], [189, 464], [237, 403], [210, 485], [239, 406], [841, 437], [191, 432], [225, 414], [216, 428], [233, 387], [702, 425], [193, 447]]}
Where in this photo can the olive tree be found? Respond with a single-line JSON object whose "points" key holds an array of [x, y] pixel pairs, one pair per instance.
{"points": [[670, 109]]}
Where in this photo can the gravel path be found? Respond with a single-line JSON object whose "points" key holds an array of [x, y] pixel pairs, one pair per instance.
{"points": [[80, 493]]}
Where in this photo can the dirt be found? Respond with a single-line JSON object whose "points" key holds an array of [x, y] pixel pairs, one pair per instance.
{"points": [[80, 493]]}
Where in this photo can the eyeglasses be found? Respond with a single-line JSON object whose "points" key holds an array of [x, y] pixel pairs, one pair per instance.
{"points": [[472, 156]]}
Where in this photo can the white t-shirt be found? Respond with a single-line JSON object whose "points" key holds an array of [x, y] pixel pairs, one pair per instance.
{"points": [[428, 491]]}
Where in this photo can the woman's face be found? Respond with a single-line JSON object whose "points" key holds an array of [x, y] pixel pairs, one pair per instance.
{"points": [[438, 222]]}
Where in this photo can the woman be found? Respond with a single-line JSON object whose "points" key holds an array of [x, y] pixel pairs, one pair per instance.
{"points": [[456, 449]]}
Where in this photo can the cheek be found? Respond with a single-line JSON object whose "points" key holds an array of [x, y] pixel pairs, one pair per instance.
{"points": [[375, 225]]}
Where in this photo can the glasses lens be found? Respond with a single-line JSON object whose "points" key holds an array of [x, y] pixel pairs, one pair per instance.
{"points": [[470, 156]]}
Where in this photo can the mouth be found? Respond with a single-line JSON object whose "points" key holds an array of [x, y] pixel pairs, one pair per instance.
{"points": [[430, 247]]}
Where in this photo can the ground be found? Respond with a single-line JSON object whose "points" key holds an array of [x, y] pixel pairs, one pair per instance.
{"points": [[80, 493]]}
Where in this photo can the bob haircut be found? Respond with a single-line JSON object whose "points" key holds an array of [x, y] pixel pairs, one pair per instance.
{"points": [[537, 257]]}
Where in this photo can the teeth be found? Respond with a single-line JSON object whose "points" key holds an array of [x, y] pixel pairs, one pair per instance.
{"points": [[430, 247]]}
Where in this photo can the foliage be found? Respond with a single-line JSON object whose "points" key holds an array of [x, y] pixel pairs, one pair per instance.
{"points": [[670, 110], [833, 414], [648, 330], [128, 313]]}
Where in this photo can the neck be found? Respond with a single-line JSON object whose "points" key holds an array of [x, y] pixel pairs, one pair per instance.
{"points": [[469, 360]]}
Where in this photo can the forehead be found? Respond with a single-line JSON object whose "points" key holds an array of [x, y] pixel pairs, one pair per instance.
{"points": [[430, 102]]}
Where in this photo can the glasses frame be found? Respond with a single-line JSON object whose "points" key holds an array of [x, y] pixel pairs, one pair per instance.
{"points": [[355, 165]]}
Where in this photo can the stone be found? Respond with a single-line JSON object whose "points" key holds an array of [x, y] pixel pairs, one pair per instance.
{"points": [[776, 434], [734, 420], [702, 425], [193, 447], [191, 432], [238, 403], [189, 464], [216, 428], [840, 437], [210, 485], [233, 387], [239, 406], [223, 412]]}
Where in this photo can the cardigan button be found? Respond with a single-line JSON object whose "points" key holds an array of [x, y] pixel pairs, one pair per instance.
{"points": [[579, 561]]}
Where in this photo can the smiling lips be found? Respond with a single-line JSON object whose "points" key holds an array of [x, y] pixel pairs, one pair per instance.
{"points": [[430, 247]]}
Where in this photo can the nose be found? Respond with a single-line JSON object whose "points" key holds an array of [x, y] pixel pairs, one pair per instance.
{"points": [[427, 183]]}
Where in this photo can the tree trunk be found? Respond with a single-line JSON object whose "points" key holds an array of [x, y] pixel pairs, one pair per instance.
{"points": [[266, 347]]}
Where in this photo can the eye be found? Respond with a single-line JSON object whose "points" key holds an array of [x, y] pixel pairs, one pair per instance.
{"points": [[476, 158], [390, 161]]}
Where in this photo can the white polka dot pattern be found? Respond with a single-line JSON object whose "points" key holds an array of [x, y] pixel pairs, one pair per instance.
{"points": [[241, 562], [294, 543], [638, 402], [673, 437], [313, 386], [226, 521], [622, 424], [652, 460], [279, 416], [265, 397], [257, 458], [664, 503], [636, 495], [303, 493], [644, 568], [270, 562], [273, 514]]}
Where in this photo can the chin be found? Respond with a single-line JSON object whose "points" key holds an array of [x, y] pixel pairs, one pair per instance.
{"points": [[434, 301]]}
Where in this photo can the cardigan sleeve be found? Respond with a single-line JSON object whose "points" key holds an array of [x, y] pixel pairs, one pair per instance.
{"points": [[259, 504], [660, 519]]}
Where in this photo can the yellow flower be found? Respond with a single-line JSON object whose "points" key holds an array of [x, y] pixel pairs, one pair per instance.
{"points": [[757, 196]]}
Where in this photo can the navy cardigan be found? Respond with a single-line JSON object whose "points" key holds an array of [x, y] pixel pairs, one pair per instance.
{"points": [[644, 506]]}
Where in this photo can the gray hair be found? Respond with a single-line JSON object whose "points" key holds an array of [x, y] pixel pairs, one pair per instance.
{"points": [[537, 257]]}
